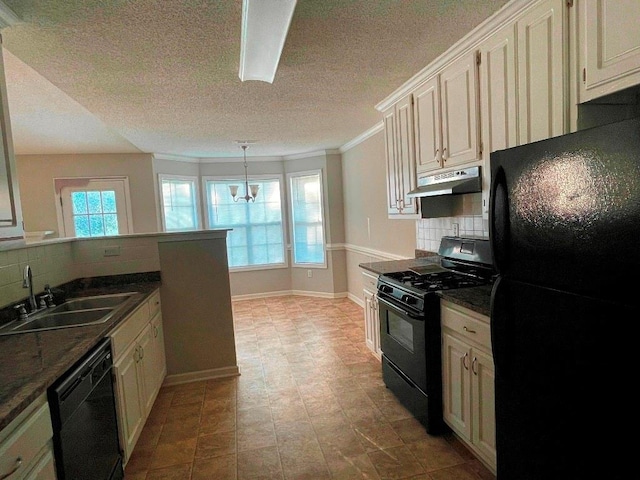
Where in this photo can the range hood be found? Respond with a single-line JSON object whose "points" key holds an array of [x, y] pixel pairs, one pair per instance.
{"points": [[468, 180]]}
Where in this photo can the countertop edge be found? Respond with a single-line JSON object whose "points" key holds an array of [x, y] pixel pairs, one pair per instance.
{"points": [[28, 392]]}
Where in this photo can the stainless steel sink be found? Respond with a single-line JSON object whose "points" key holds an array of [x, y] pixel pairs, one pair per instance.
{"points": [[65, 319], [90, 303], [75, 312]]}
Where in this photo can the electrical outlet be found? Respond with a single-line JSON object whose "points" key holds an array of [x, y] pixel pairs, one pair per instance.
{"points": [[309, 273], [112, 251], [456, 229]]}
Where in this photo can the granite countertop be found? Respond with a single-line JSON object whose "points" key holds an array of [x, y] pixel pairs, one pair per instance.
{"points": [[31, 362], [477, 299]]}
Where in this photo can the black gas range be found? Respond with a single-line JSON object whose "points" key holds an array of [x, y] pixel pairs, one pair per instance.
{"points": [[410, 334]]}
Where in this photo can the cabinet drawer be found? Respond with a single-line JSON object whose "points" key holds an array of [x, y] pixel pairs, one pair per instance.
{"points": [[22, 446], [369, 281], [467, 323], [129, 330], [154, 303]]}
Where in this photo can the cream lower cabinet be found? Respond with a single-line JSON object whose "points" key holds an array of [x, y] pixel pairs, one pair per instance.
{"points": [[139, 362], [468, 379], [371, 318], [609, 46], [26, 446]]}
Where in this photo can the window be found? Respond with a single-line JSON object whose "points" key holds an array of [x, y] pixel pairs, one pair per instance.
{"points": [[257, 238], [179, 203], [306, 218], [94, 207]]}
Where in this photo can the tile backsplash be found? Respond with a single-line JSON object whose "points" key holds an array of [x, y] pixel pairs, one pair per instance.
{"points": [[58, 263], [465, 213]]}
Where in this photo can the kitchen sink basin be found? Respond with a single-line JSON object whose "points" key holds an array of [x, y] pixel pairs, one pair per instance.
{"points": [[75, 312], [65, 319], [90, 303]]}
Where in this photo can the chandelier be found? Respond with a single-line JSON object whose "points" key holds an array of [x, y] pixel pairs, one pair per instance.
{"points": [[233, 189]]}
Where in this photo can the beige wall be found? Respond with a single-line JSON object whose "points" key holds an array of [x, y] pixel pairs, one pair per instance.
{"points": [[36, 174], [196, 309], [364, 178]]}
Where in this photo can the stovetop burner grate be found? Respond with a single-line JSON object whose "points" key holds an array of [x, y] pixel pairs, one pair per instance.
{"points": [[441, 280]]}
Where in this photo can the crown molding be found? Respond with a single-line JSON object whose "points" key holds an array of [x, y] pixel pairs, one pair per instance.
{"points": [[317, 153], [362, 137], [502, 17], [7, 17], [175, 158]]}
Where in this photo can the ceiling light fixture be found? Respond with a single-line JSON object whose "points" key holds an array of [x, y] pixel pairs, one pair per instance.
{"points": [[264, 28], [233, 189]]}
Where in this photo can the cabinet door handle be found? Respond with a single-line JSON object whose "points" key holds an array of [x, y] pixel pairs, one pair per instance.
{"points": [[141, 352], [474, 366], [444, 153], [465, 362], [136, 354], [436, 159], [155, 331], [467, 330], [15, 468]]}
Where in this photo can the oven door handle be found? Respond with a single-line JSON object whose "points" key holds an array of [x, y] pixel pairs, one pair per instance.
{"points": [[390, 304]]}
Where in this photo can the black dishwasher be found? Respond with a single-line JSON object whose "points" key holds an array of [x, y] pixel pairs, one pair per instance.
{"points": [[83, 413]]}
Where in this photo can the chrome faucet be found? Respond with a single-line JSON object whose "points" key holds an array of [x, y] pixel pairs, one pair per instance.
{"points": [[27, 282]]}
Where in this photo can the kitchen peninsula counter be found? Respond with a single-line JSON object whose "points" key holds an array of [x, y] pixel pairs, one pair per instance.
{"points": [[30, 362]]}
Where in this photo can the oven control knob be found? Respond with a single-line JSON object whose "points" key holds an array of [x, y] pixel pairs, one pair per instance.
{"points": [[386, 289], [409, 300]]}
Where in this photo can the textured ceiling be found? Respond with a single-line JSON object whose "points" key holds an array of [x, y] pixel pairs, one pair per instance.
{"points": [[161, 76]]}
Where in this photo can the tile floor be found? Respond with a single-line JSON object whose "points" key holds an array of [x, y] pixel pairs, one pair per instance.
{"points": [[309, 404]]}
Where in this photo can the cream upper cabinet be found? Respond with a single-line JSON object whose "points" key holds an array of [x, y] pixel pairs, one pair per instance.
{"points": [[459, 97], [445, 116], [498, 91], [609, 46], [426, 115], [542, 104], [401, 167], [498, 100], [10, 212]]}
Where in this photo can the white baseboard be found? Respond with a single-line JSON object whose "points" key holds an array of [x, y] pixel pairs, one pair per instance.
{"points": [[283, 293], [180, 378], [355, 299]]}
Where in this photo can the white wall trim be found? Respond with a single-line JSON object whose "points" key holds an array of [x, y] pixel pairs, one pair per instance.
{"points": [[355, 299], [378, 127], [175, 158], [284, 293], [317, 153], [221, 372], [370, 252], [502, 17], [335, 246]]}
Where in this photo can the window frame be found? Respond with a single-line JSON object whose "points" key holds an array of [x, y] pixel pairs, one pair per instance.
{"points": [[65, 184], [283, 214], [197, 199], [306, 173]]}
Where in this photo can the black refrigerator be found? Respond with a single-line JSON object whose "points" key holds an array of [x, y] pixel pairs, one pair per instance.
{"points": [[565, 235]]}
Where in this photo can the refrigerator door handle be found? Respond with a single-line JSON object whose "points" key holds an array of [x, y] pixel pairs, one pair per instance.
{"points": [[499, 220], [499, 327]]}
